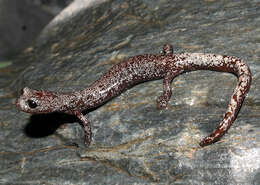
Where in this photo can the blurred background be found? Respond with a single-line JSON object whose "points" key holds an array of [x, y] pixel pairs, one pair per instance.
{"points": [[21, 21]]}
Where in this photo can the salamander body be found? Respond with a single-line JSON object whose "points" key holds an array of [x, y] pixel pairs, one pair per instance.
{"points": [[135, 70]]}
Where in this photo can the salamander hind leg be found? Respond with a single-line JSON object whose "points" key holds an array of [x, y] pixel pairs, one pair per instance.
{"points": [[163, 100], [86, 126], [167, 49]]}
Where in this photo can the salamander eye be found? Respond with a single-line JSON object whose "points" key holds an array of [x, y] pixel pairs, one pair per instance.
{"points": [[32, 104]]}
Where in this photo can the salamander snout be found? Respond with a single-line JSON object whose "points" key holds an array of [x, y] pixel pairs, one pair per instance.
{"points": [[26, 102], [22, 91]]}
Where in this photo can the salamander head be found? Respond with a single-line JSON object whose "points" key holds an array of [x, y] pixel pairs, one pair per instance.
{"points": [[33, 101]]}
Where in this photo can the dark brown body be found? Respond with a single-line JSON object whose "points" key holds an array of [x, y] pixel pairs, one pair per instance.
{"points": [[138, 69]]}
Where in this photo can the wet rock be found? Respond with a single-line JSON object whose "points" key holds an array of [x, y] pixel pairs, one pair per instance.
{"points": [[133, 142]]}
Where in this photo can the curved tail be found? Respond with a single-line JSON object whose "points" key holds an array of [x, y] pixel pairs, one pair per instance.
{"points": [[244, 80]]}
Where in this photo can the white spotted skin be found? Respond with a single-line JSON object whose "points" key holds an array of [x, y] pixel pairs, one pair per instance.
{"points": [[139, 69]]}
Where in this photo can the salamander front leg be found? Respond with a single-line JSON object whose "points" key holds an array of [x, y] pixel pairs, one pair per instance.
{"points": [[87, 128]]}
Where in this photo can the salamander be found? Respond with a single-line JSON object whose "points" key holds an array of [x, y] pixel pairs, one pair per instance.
{"points": [[137, 69]]}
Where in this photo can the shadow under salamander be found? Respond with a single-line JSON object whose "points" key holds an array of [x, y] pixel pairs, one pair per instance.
{"points": [[42, 125]]}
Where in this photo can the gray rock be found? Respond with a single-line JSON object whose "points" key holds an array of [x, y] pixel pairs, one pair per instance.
{"points": [[22, 21], [133, 142]]}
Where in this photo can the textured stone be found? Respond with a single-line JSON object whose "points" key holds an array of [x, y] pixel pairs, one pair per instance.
{"points": [[133, 142]]}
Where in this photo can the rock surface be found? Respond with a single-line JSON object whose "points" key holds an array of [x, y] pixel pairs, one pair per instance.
{"points": [[22, 21], [133, 142]]}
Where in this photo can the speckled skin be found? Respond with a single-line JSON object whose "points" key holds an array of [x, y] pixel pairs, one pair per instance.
{"points": [[138, 69]]}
